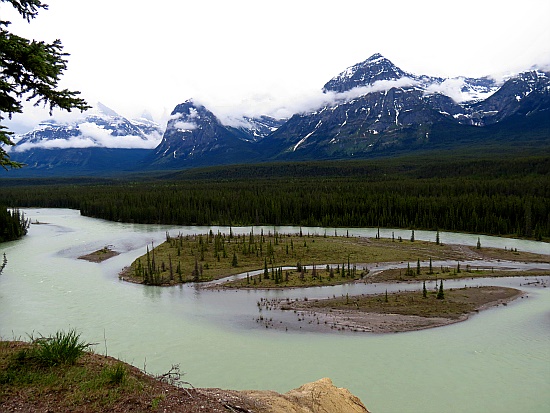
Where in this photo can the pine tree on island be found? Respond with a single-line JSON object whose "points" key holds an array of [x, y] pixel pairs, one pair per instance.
{"points": [[440, 294]]}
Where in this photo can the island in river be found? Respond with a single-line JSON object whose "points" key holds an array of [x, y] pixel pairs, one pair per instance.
{"points": [[391, 313], [100, 255], [274, 260]]}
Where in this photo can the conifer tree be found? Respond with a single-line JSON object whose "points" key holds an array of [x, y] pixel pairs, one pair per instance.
{"points": [[418, 266], [31, 70], [440, 294], [4, 263], [424, 291]]}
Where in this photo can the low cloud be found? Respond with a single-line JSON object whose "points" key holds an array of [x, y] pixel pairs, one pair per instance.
{"points": [[73, 142], [92, 135], [185, 126], [449, 87], [267, 104], [88, 134]]}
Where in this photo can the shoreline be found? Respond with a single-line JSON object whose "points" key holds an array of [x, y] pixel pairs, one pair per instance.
{"points": [[357, 320], [199, 258]]}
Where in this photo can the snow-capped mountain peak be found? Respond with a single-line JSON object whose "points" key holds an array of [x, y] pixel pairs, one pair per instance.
{"points": [[366, 73], [98, 127]]}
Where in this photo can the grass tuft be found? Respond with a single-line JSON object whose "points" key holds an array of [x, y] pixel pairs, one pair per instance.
{"points": [[61, 348], [115, 374]]}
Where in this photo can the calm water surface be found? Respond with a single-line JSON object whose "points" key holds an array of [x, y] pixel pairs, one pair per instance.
{"points": [[498, 361]]}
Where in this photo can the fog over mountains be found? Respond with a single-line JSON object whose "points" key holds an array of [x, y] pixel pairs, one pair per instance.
{"points": [[370, 109]]}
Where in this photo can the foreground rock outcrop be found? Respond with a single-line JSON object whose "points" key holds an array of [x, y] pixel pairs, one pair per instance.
{"points": [[320, 396]]}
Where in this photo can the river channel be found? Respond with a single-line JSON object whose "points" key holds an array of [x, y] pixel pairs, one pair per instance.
{"points": [[497, 361]]}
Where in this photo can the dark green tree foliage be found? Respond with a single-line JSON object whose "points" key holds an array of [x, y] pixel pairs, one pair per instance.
{"points": [[30, 70], [409, 272], [4, 263], [13, 224], [484, 199], [440, 293]]}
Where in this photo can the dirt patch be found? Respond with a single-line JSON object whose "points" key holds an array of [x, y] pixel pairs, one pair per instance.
{"points": [[100, 255]]}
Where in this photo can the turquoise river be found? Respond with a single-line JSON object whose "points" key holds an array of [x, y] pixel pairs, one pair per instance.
{"points": [[497, 361]]}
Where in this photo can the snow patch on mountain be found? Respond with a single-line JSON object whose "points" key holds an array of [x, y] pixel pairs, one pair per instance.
{"points": [[97, 127], [460, 90]]}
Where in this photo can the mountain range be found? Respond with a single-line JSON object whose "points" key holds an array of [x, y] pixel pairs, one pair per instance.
{"points": [[370, 109]]}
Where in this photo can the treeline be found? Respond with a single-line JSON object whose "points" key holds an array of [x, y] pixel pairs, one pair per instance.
{"points": [[468, 196], [13, 224]]}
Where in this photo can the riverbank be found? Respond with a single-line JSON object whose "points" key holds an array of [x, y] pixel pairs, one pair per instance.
{"points": [[276, 260], [100, 383], [392, 313]]}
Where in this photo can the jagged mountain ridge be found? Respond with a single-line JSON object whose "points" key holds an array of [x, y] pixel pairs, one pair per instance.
{"points": [[374, 108], [100, 140], [194, 136], [393, 113], [100, 127]]}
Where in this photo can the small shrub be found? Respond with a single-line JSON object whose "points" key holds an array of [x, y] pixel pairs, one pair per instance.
{"points": [[62, 348]]}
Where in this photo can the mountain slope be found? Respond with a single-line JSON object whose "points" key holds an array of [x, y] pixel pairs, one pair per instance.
{"points": [[371, 109], [100, 141], [391, 110], [195, 137]]}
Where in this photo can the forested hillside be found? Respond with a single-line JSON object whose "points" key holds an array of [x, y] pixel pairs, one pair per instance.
{"points": [[500, 197]]}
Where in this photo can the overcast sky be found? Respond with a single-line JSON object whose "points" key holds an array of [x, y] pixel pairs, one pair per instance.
{"points": [[271, 57]]}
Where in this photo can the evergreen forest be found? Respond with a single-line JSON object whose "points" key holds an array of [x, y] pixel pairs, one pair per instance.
{"points": [[508, 196], [13, 224]]}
